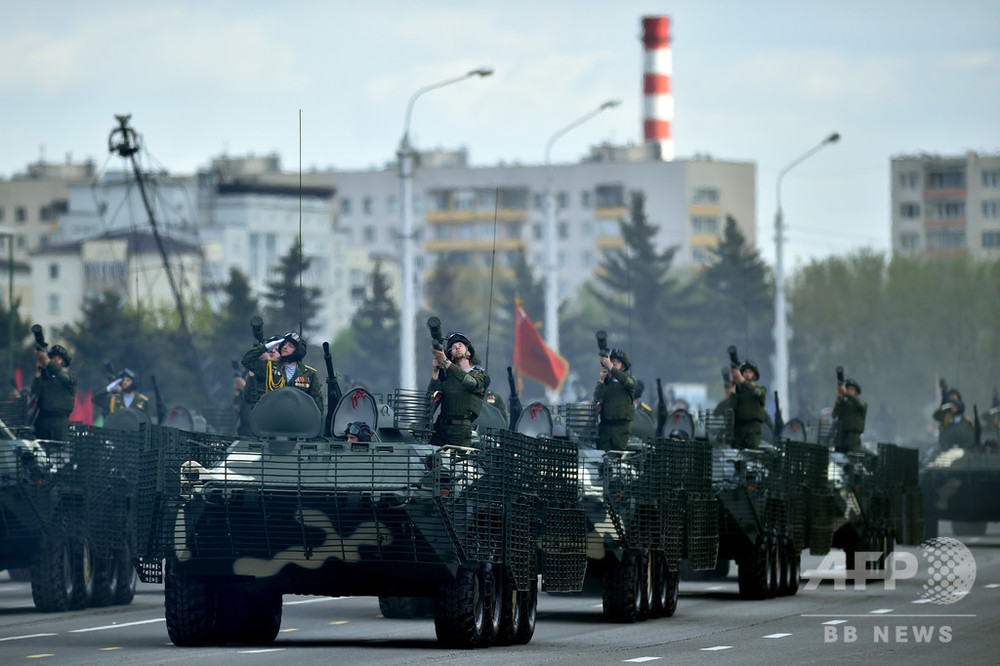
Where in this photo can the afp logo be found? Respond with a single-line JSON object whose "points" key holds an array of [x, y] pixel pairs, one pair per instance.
{"points": [[949, 566]]}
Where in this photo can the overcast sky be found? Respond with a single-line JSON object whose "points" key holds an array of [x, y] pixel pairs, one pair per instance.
{"points": [[757, 81]]}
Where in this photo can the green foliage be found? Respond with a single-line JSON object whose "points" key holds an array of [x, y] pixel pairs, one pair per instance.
{"points": [[22, 346], [290, 304], [374, 357]]}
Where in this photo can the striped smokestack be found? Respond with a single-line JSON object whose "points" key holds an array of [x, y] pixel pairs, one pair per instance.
{"points": [[658, 102]]}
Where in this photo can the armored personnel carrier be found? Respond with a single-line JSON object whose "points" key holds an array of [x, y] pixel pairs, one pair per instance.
{"points": [[961, 485], [67, 515], [242, 522]]}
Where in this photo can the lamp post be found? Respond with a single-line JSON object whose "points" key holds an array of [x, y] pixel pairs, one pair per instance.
{"points": [[551, 265], [9, 235], [780, 331], [407, 308]]}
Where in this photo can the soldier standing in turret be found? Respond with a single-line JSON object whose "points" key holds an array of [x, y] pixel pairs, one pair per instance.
{"points": [[55, 386], [747, 404], [287, 369], [614, 393], [461, 387], [850, 412]]}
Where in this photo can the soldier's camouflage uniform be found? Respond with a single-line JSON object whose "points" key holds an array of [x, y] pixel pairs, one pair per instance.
{"points": [[748, 414], [461, 396], [615, 398], [56, 391], [850, 411]]}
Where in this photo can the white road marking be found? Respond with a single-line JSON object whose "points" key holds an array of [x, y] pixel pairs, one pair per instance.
{"points": [[835, 622], [717, 647], [116, 626], [776, 635], [311, 601], [881, 611], [716, 587], [638, 660], [17, 638], [992, 586], [261, 650], [920, 601]]}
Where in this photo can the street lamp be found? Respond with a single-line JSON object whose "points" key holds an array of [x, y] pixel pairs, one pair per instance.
{"points": [[551, 267], [10, 299], [780, 331], [408, 313]]}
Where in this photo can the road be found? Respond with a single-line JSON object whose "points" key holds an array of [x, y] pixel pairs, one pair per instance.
{"points": [[712, 626]]}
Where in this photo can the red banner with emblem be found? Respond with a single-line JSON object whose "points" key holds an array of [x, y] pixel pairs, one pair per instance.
{"points": [[533, 358]]}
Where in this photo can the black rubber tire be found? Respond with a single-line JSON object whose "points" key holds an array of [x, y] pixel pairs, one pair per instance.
{"points": [[784, 566], [52, 575], [458, 611], [510, 610], [673, 586], [623, 589], [257, 616], [106, 581], [128, 578], [191, 606], [529, 613], [490, 583], [660, 592], [968, 528], [82, 566], [773, 567], [645, 585], [753, 572]]}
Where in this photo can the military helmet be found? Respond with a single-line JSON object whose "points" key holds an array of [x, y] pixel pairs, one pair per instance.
{"points": [[300, 346], [361, 430], [679, 435], [458, 336], [854, 383], [126, 372], [620, 354], [752, 366], [59, 350]]}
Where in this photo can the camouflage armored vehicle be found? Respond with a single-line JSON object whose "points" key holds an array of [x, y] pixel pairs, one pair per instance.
{"points": [[241, 522], [67, 514], [962, 485]]}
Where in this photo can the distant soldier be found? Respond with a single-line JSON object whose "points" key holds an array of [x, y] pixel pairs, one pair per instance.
{"points": [[287, 369], [460, 386], [55, 387], [614, 393], [850, 412], [748, 404], [123, 393], [956, 429]]}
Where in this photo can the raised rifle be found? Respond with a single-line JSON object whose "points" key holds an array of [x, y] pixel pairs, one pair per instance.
{"points": [[333, 392], [161, 407], [514, 404], [661, 409]]}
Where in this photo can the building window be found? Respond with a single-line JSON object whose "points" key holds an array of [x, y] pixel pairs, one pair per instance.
{"points": [[536, 231], [369, 234], [946, 239], [392, 204], [909, 210], [609, 228], [909, 180], [945, 178], [514, 198], [22, 242], [562, 200], [991, 209], [991, 239], [587, 229], [439, 199], [909, 241], [53, 271], [705, 224], [705, 196], [513, 229], [366, 206], [610, 196], [486, 199], [21, 214], [465, 200], [563, 230], [537, 201], [53, 304], [585, 199], [345, 206], [945, 210], [991, 178]]}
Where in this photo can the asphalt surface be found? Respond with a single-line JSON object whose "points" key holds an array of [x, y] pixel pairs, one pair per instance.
{"points": [[823, 623]]}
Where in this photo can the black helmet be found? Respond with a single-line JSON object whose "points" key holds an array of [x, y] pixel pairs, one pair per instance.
{"points": [[361, 430], [854, 383], [300, 346], [59, 350], [620, 354], [678, 435], [459, 337], [130, 374], [751, 365]]}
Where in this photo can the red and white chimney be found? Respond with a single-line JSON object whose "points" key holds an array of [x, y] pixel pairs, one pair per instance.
{"points": [[658, 101]]}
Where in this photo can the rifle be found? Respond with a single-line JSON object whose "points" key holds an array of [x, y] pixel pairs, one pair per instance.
{"points": [[437, 337], [257, 328], [514, 404], [943, 385], [661, 409], [333, 392], [161, 407], [779, 421]]}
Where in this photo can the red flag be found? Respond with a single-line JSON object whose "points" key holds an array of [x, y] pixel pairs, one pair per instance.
{"points": [[533, 357], [83, 409]]}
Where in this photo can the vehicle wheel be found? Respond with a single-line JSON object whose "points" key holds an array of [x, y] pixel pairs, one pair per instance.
{"points": [[623, 590], [490, 585], [752, 571], [191, 606], [529, 613], [510, 610], [128, 578], [645, 585], [82, 567], [458, 611], [774, 565], [660, 592], [968, 528], [52, 575], [673, 580], [255, 616], [793, 559], [105, 580]]}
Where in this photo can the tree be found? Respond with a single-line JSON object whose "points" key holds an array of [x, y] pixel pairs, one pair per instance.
{"points": [[290, 304], [22, 354], [737, 298], [375, 331]]}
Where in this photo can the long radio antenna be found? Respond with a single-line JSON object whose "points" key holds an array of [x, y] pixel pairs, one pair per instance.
{"points": [[493, 264], [299, 240]]}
